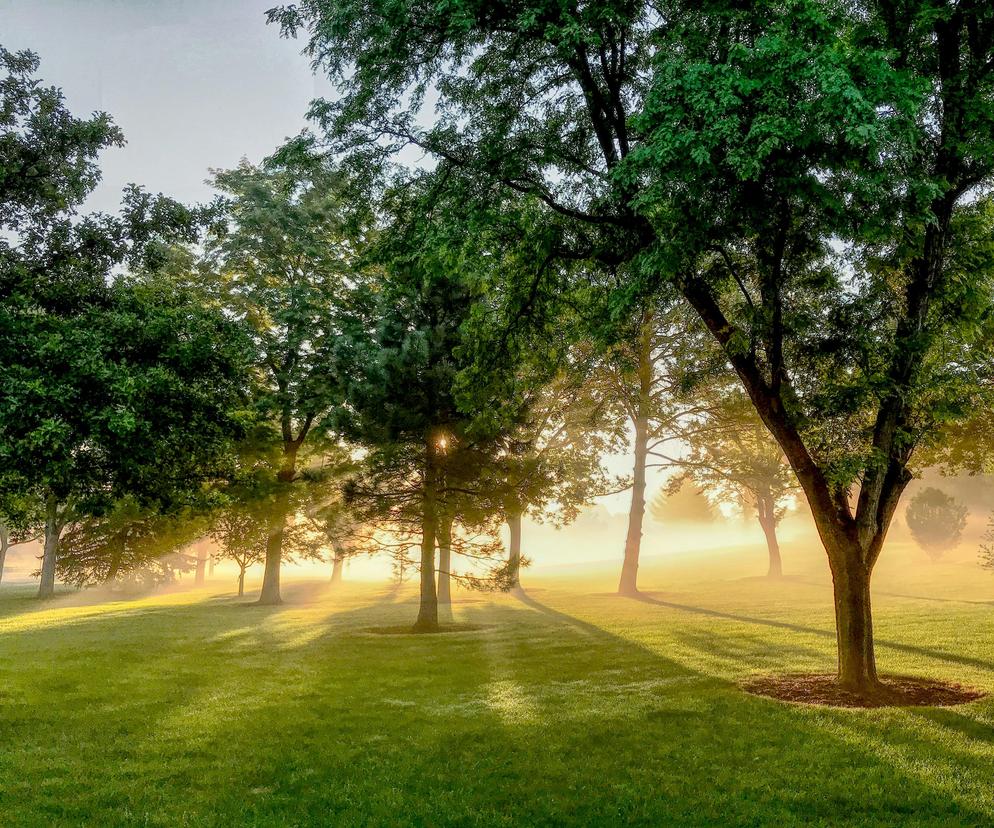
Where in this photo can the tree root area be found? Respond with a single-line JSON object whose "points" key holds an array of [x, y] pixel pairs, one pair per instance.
{"points": [[894, 691]]}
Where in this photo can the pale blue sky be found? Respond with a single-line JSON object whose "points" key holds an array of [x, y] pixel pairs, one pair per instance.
{"points": [[194, 84]]}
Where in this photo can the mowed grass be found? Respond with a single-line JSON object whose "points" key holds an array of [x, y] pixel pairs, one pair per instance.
{"points": [[570, 707]]}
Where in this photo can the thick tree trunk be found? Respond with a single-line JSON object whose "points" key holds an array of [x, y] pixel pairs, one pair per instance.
{"points": [[514, 552], [768, 520], [628, 584], [270, 593], [241, 583], [854, 625], [444, 560], [53, 531], [428, 610], [210, 565], [337, 565], [201, 572]]}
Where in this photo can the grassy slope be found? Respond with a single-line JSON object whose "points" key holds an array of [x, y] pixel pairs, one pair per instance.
{"points": [[573, 707]]}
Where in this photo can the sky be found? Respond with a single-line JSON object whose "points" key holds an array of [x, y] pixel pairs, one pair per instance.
{"points": [[194, 84]]}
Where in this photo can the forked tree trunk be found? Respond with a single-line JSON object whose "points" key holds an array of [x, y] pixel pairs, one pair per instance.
{"points": [[768, 520], [270, 593], [444, 560], [337, 565], [53, 531], [514, 552], [241, 582]]}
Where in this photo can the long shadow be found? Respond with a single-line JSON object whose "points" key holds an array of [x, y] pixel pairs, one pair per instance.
{"points": [[813, 797], [970, 728], [927, 652], [888, 594]]}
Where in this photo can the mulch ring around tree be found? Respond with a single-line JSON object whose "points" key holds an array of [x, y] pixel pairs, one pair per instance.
{"points": [[408, 629], [898, 691]]}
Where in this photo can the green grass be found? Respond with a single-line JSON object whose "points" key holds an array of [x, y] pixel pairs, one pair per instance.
{"points": [[571, 707]]}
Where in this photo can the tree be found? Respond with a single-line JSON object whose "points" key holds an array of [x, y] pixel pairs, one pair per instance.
{"points": [[732, 456], [18, 516], [643, 374], [242, 532], [424, 478], [725, 148], [134, 393], [551, 464], [329, 517], [127, 543], [677, 502], [422, 459], [936, 521], [280, 262], [112, 383]]}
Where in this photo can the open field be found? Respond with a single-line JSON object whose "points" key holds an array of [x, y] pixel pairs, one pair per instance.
{"points": [[571, 706]]}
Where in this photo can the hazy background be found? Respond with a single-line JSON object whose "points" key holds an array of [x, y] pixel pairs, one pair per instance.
{"points": [[199, 84]]}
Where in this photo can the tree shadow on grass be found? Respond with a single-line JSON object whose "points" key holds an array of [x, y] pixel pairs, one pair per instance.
{"points": [[926, 652], [970, 728]]}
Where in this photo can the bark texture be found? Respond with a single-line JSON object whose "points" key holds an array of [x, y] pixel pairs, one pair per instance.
{"points": [[53, 533]]}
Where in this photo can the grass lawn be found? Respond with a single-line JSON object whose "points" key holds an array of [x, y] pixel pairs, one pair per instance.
{"points": [[569, 707]]}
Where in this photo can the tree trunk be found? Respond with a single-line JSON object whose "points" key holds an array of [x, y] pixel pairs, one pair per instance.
{"points": [[768, 520], [628, 585], [428, 610], [270, 593], [241, 582], [633, 542], [53, 531], [514, 553], [201, 572], [854, 624], [444, 560], [337, 565], [4, 546], [210, 565]]}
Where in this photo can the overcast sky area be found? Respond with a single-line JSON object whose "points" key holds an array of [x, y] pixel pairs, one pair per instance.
{"points": [[194, 84]]}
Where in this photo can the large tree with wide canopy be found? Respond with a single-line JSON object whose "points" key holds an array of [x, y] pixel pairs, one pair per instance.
{"points": [[810, 175]]}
